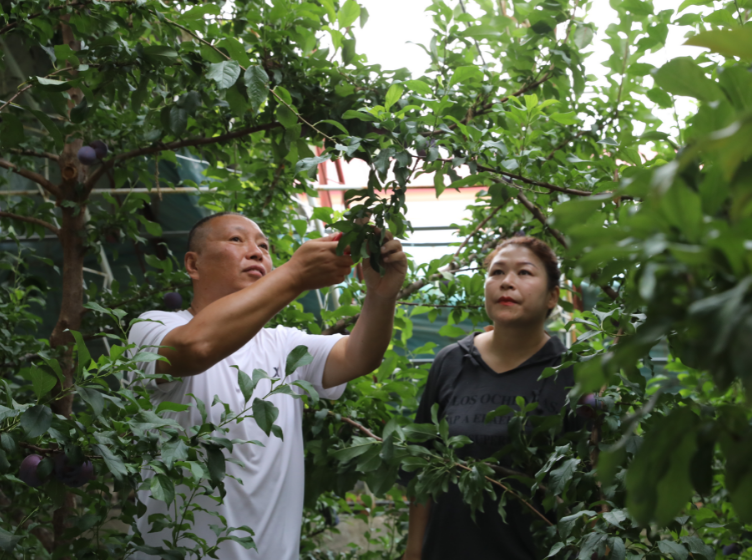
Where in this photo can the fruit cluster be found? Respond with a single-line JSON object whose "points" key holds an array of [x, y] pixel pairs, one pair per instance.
{"points": [[96, 151], [62, 469]]}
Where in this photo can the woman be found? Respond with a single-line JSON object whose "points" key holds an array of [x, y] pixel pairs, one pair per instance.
{"points": [[477, 375]]}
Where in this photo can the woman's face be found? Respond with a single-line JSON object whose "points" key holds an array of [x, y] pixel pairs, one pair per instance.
{"points": [[517, 287]]}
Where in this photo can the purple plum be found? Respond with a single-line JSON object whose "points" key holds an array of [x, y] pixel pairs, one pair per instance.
{"points": [[87, 155], [70, 474], [28, 471], [730, 549], [100, 148], [588, 405], [173, 300]]}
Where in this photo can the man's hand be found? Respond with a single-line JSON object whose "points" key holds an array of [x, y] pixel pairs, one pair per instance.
{"points": [[316, 264], [395, 263]]}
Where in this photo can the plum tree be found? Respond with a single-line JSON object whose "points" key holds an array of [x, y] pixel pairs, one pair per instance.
{"points": [[27, 472]]}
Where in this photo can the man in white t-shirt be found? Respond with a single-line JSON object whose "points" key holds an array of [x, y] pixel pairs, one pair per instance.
{"points": [[236, 292]]}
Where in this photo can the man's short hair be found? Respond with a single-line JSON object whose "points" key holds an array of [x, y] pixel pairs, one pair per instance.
{"points": [[195, 236]]}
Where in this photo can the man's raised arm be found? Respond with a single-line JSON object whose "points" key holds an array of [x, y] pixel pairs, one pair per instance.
{"points": [[362, 351], [226, 324]]}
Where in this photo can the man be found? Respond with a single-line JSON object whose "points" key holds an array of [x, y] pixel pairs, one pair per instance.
{"points": [[236, 292]]}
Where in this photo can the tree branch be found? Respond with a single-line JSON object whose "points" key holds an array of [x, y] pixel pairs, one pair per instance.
{"points": [[608, 290], [46, 184], [48, 155], [56, 8], [30, 220], [410, 289], [172, 146], [548, 186]]}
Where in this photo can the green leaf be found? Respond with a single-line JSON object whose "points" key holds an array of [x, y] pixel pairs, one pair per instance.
{"points": [[159, 53], [84, 358], [299, 357], [246, 385], [265, 413], [93, 398], [564, 118], [173, 450], [198, 13], [224, 73], [215, 462], [112, 461], [178, 120], [162, 488], [41, 381], [256, 81], [682, 76], [583, 35], [735, 42], [419, 86], [393, 95], [677, 551], [562, 475], [171, 406], [503, 410], [360, 115], [52, 85], [36, 420], [11, 131], [350, 453], [8, 541], [236, 50], [286, 116], [466, 74], [307, 164], [349, 12]]}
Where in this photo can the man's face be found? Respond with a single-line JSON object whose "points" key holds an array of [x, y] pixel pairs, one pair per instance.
{"points": [[232, 253]]}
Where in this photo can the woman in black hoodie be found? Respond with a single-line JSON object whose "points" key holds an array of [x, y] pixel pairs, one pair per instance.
{"points": [[475, 376]]}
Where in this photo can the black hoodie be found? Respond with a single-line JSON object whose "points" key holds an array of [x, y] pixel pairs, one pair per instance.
{"points": [[466, 389]]}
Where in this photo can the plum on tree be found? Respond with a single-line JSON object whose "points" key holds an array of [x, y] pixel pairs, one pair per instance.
{"points": [[589, 405], [100, 148], [87, 155], [28, 470], [173, 300], [71, 474], [733, 548]]}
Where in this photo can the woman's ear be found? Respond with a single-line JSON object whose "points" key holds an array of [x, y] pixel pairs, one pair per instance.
{"points": [[553, 297]]}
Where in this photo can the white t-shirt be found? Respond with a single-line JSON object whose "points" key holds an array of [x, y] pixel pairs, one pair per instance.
{"points": [[270, 499]]}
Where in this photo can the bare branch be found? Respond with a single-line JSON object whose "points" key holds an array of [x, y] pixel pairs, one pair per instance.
{"points": [[30, 220], [172, 146], [548, 186], [477, 229], [48, 185]]}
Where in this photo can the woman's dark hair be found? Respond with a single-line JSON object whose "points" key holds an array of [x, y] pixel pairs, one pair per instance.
{"points": [[541, 250]]}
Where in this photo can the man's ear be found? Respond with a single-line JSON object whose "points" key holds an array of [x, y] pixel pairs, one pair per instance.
{"points": [[553, 297], [191, 264]]}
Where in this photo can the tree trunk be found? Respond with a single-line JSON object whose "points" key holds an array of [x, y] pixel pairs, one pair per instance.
{"points": [[72, 238]]}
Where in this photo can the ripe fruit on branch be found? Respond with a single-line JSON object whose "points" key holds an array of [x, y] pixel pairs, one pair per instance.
{"points": [[100, 148], [87, 155], [70, 474], [730, 549], [28, 470], [589, 405], [173, 300]]}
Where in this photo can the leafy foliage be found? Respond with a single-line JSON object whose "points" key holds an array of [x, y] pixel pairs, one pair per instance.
{"points": [[655, 218]]}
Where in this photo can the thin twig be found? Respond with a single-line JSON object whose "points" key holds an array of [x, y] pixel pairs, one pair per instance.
{"points": [[48, 185], [172, 146], [477, 229], [31, 220]]}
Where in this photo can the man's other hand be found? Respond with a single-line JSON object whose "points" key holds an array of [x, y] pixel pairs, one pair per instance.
{"points": [[316, 264], [394, 261]]}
